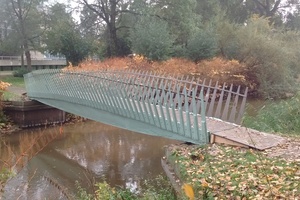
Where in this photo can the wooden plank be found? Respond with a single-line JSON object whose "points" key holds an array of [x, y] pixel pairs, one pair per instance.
{"points": [[221, 140]]}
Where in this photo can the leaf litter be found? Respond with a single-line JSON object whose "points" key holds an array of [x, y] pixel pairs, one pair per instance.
{"points": [[224, 172]]}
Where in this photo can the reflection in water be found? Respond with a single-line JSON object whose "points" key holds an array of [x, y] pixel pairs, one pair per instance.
{"points": [[20, 148], [84, 152]]}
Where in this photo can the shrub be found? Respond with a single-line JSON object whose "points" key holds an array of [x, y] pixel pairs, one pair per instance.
{"points": [[280, 117], [3, 86], [151, 38], [202, 45], [264, 50], [20, 72]]}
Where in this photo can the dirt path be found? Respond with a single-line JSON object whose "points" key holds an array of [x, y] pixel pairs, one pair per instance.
{"points": [[289, 150], [16, 90]]}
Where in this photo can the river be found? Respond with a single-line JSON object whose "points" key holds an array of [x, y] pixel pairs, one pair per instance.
{"points": [[50, 160]]}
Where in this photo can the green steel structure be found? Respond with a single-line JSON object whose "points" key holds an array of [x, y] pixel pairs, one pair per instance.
{"points": [[143, 102]]}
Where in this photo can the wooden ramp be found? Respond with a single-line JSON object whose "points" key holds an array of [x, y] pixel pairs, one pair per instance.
{"points": [[232, 134]]}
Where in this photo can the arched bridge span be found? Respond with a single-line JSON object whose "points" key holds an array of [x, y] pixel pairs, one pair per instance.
{"points": [[159, 105]]}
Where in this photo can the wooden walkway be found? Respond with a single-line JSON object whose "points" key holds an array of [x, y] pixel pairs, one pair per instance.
{"points": [[224, 132]]}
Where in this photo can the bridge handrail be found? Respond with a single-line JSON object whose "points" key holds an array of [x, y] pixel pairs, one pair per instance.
{"points": [[149, 114], [215, 95], [226, 104]]}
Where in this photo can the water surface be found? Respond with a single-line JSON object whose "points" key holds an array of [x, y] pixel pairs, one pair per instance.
{"points": [[54, 158]]}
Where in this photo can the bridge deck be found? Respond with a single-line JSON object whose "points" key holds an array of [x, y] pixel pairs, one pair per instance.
{"points": [[149, 104], [237, 135], [241, 135]]}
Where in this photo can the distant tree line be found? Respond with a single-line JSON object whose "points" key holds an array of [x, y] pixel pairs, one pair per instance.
{"points": [[263, 34]]}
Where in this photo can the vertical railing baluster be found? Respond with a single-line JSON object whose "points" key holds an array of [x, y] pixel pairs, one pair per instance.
{"points": [[180, 112], [226, 108], [204, 134], [234, 106], [187, 114], [196, 132], [242, 109], [212, 102]]}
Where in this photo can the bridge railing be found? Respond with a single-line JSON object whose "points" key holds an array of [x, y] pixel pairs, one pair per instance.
{"points": [[151, 104], [221, 101], [176, 106]]}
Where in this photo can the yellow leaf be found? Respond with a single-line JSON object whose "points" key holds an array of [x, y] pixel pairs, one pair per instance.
{"points": [[189, 192], [204, 183]]}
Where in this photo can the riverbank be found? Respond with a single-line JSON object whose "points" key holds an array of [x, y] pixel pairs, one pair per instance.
{"points": [[224, 172]]}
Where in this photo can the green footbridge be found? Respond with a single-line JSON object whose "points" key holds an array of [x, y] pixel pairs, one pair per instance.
{"points": [[145, 102]]}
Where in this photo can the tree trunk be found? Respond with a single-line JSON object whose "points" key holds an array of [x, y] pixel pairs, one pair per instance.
{"points": [[25, 45], [112, 41], [28, 58], [21, 16], [112, 30]]}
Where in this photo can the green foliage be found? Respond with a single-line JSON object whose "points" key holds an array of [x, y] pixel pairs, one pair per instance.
{"points": [[282, 116], [202, 45], [3, 118], [20, 72], [62, 37], [5, 174], [103, 191], [82, 193], [156, 189], [266, 53], [15, 81], [151, 38], [21, 25], [65, 40]]}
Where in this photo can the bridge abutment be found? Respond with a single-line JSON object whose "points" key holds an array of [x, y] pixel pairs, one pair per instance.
{"points": [[33, 113]]}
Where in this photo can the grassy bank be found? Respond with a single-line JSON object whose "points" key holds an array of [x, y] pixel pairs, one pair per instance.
{"points": [[156, 189], [219, 172], [282, 117], [17, 82]]}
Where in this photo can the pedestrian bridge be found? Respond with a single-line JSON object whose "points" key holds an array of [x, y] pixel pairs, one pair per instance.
{"points": [[180, 108]]}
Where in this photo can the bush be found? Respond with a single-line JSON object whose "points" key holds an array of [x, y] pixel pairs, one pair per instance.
{"points": [[266, 55], [280, 117], [151, 38], [159, 188], [202, 45], [3, 86], [20, 72]]}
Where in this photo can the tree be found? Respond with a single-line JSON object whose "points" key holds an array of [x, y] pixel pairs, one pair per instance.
{"points": [[108, 12], [293, 21], [151, 38], [26, 18], [63, 38], [202, 45], [272, 9]]}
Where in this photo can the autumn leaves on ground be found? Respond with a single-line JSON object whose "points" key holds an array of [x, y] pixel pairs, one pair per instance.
{"points": [[220, 172]]}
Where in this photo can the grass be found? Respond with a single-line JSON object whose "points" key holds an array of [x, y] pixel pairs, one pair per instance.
{"points": [[233, 173], [9, 96], [156, 189], [282, 117], [15, 81]]}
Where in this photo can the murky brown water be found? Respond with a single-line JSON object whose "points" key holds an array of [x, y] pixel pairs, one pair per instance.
{"points": [[85, 152]]}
